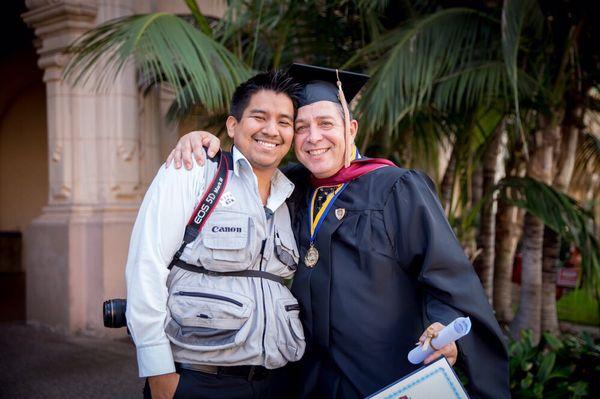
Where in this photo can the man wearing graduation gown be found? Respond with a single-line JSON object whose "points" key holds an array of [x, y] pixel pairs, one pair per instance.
{"points": [[380, 261]]}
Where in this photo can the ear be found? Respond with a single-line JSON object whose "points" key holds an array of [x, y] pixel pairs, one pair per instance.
{"points": [[353, 128], [231, 123]]}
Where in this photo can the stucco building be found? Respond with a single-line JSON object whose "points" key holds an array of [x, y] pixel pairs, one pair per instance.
{"points": [[74, 164]]}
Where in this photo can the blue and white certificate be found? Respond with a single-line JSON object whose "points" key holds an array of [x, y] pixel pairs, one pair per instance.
{"points": [[436, 380]]}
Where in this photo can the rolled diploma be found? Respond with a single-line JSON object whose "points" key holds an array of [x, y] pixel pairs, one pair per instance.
{"points": [[453, 331]]}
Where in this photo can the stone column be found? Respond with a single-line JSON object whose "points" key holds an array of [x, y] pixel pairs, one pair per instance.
{"points": [[75, 252]]}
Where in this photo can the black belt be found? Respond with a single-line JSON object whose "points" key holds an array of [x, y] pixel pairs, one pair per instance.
{"points": [[250, 373], [242, 273]]}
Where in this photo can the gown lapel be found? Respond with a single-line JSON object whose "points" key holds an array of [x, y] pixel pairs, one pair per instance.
{"points": [[320, 281]]}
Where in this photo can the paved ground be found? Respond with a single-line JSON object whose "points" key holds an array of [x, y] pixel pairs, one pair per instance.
{"points": [[36, 363]]}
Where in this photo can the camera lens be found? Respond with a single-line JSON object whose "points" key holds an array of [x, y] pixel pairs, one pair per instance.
{"points": [[114, 313]]}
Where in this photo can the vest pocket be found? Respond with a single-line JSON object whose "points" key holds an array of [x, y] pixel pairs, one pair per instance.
{"points": [[290, 337], [286, 250], [208, 320], [227, 242]]}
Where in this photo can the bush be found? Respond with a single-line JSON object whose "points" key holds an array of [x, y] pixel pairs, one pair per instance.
{"points": [[579, 307], [555, 368]]}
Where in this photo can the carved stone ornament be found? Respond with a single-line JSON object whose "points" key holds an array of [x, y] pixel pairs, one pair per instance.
{"points": [[125, 190], [62, 192], [124, 153], [48, 16], [33, 4], [57, 153]]}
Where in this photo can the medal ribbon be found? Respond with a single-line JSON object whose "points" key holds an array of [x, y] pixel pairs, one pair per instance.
{"points": [[355, 154], [315, 224]]}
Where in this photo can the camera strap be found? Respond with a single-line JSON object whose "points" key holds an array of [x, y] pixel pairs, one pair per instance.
{"points": [[201, 214], [207, 204]]}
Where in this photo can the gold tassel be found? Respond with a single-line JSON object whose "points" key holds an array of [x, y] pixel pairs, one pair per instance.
{"points": [[347, 137]]}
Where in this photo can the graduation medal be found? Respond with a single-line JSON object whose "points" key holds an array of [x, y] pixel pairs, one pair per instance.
{"points": [[312, 254]]}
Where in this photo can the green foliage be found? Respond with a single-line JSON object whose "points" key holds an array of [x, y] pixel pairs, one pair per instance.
{"points": [[588, 160], [515, 15], [412, 60], [579, 307], [201, 20], [440, 74], [548, 370], [562, 214], [272, 34], [167, 49]]}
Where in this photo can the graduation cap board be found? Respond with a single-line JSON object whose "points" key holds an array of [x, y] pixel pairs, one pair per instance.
{"points": [[326, 84], [320, 84]]}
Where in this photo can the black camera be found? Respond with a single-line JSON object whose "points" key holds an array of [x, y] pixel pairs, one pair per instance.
{"points": [[113, 312]]}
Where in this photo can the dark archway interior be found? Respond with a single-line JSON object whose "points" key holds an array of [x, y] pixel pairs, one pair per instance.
{"points": [[17, 53]]}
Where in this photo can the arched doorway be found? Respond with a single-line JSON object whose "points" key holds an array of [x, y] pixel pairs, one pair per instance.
{"points": [[23, 154]]}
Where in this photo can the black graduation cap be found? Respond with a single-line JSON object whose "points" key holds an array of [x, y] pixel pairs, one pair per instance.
{"points": [[326, 84], [320, 84]]}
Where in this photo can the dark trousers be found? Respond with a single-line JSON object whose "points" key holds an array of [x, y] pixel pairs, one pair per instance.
{"points": [[316, 376], [198, 385]]}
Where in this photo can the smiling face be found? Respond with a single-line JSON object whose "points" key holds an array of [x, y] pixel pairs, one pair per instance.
{"points": [[319, 139], [265, 131]]}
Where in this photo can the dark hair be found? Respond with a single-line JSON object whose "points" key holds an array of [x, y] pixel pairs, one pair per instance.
{"points": [[277, 81]]}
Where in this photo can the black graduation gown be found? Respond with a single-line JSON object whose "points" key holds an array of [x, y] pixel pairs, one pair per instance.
{"points": [[387, 269]]}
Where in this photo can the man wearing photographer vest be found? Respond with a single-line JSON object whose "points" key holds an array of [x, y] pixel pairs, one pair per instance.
{"points": [[213, 321]]}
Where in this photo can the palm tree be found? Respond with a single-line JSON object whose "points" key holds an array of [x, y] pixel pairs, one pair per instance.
{"points": [[484, 264], [461, 76], [457, 58], [554, 142], [203, 62]]}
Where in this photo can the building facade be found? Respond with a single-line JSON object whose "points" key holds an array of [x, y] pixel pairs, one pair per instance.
{"points": [[75, 164]]}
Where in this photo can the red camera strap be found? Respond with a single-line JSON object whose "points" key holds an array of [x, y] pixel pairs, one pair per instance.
{"points": [[207, 204]]}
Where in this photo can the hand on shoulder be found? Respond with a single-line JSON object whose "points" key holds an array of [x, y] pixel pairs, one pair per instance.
{"points": [[198, 144]]}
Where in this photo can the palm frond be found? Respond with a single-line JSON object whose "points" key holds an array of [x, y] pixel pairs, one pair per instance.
{"points": [[593, 103], [373, 5], [199, 17], [274, 34], [587, 162], [417, 57], [167, 49], [479, 84], [562, 214], [588, 154], [515, 15]]}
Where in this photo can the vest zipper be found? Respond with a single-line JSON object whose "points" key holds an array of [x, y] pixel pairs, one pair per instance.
{"points": [[262, 252], [210, 296]]}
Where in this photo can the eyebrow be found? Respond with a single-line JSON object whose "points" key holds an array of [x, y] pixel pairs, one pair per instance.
{"points": [[261, 111], [257, 111], [319, 117]]}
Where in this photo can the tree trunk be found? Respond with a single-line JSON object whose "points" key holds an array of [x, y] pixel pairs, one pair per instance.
{"points": [[540, 168], [565, 167], [549, 263], [509, 227], [530, 304], [484, 264], [477, 188], [469, 240], [403, 149]]}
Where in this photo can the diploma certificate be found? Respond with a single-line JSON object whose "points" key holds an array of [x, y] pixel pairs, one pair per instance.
{"points": [[436, 380]]}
